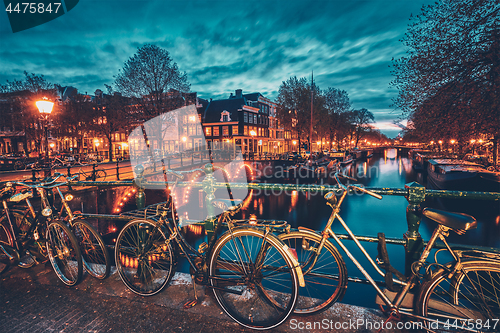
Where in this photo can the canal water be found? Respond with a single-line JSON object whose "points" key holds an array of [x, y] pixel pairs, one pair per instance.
{"points": [[365, 215]]}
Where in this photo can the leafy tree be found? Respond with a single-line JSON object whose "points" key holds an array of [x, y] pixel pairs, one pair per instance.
{"points": [[449, 81]]}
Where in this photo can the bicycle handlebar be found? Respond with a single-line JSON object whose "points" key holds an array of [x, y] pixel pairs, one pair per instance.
{"points": [[359, 188], [50, 183]]}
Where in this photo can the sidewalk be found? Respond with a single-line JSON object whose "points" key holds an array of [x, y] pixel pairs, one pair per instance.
{"points": [[35, 300]]}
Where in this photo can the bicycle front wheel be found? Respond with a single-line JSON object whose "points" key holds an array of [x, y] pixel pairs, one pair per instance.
{"points": [[64, 253], [253, 278], [95, 255], [5, 239], [144, 259], [100, 175], [467, 300], [325, 273]]}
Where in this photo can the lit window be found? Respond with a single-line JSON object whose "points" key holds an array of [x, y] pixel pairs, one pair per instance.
{"points": [[216, 130], [245, 117], [235, 130], [225, 130], [208, 131], [245, 130]]}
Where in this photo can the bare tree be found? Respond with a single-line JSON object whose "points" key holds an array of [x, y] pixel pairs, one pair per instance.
{"points": [[151, 76], [360, 121]]}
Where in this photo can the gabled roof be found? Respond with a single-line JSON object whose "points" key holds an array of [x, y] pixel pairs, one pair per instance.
{"points": [[253, 96], [214, 109]]}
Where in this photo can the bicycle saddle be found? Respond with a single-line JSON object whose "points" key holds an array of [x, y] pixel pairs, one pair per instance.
{"points": [[227, 204], [6, 192], [455, 221]]}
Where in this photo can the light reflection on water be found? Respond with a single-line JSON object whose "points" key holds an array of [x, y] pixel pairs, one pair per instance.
{"points": [[368, 216]]}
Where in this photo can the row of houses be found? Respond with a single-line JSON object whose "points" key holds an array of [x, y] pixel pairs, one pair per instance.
{"points": [[247, 120]]}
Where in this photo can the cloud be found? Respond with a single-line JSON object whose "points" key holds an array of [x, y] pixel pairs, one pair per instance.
{"points": [[223, 45]]}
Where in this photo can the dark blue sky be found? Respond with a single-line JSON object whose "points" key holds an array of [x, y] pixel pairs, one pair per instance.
{"points": [[224, 45]]}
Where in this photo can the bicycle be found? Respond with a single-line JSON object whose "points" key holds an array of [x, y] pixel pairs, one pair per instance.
{"points": [[453, 295], [96, 260], [93, 174], [23, 234], [252, 273]]}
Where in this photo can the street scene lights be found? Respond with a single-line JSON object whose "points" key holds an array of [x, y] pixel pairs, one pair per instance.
{"points": [[254, 148], [45, 108]]}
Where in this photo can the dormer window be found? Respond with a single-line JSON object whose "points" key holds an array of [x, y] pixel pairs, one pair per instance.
{"points": [[225, 116]]}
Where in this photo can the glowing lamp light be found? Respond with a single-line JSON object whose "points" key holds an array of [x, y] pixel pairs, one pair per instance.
{"points": [[253, 219], [253, 133], [452, 142], [440, 142], [432, 142], [472, 141], [294, 142], [44, 106], [184, 139], [52, 145]]}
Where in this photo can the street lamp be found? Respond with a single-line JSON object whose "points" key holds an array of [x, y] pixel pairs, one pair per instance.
{"points": [[45, 108]]}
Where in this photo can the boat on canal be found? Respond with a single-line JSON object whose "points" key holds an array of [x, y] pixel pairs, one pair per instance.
{"points": [[342, 157], [454, 174]]}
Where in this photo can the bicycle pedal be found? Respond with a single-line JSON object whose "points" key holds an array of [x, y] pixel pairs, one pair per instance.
{"points": [[190, 304]]}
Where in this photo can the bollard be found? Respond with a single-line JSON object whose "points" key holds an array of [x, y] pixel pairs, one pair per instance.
{"points": [[33, 175], [192, 158], [117, 170], [140, 196], [181, 160], [69, 170], [413, 241], [93, 172], [209, 189]]}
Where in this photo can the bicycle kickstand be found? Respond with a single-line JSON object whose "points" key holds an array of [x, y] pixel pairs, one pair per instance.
{"points": [[193, 302]]}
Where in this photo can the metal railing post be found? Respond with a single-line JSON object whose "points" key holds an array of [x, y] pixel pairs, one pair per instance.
{"points": [[140, 196], [181, 160], [117, 170], [209, 189], [413, 241]]}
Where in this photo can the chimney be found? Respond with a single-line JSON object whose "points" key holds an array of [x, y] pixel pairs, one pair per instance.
{"points": [[239, 93]]}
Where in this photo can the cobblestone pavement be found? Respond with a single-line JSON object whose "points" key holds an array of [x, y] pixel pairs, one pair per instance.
{"points": [[34, 300]]}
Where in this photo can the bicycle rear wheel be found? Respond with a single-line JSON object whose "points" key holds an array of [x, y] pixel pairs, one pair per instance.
{"points": [[95, 255], [325, 278], [144, 259], [469, 299], [64, 253], [253, 278]]}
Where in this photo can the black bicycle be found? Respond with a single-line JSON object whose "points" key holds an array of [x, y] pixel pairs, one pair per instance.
{"points": [[253, 275], [24, 237]]}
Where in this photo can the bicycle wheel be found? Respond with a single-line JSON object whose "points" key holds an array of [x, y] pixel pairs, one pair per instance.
{"points": [[100, 175], [253, 278], [5, 239], [64, 253], [469, 299], [326, 279], [144, 259], [95, 255]]}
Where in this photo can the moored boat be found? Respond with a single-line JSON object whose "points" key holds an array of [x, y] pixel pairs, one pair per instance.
{"points": [[453, 174]]}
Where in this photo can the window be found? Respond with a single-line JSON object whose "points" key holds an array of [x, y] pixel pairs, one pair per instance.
{"points": [[208, 131], [255, 119], [245, 130], [224, 117], [250, 119], [235, 130], [260, 131], [225, 130], [216, 130], [192, 130], [245, 117]]}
